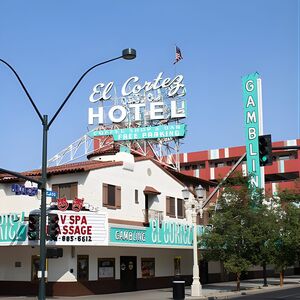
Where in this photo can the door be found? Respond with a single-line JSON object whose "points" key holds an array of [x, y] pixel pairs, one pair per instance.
{"points": [[203, 269], [82, 267], [128, 273], [35, 263]]}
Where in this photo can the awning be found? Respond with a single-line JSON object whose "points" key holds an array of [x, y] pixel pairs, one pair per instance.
{"points": [[149, 190]]}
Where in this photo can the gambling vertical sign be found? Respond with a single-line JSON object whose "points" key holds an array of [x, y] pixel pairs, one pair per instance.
{"points": [[252, 101]]}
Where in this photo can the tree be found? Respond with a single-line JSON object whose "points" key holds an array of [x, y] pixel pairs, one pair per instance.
{"points": [[264, 231], [248, 230], [287, 239], [231, 238]]}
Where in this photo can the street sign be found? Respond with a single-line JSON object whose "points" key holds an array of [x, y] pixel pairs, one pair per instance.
{"points": [[51, 194]]}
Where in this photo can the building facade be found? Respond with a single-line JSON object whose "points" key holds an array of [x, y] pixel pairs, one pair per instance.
{"points": [[214, 165], [122, 227]]}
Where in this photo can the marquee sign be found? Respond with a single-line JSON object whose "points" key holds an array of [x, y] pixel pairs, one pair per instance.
{"points": [[168, 234], [83, 228], [142, 105]]}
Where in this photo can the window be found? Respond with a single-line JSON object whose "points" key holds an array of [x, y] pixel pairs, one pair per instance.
{"points": [[220, 164], [106, 268], [66, 190], [111, 197], [180, 208], [136, 196], [82, 267], [186, 168], [170, 209], [148, 267], [194, 167]]}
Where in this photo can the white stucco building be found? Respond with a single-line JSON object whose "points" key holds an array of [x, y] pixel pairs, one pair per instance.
{"points": [[130, 233]]}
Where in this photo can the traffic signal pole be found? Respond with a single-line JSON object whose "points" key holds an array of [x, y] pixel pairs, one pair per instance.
{"points": [[19, 175], [127, 54], [236, 165], [42, 270]]}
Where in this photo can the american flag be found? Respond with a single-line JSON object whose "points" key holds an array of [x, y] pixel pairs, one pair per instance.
{"points": [[178, 55]]}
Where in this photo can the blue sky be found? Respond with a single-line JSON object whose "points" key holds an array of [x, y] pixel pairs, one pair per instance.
{"points": [[51, 43]]}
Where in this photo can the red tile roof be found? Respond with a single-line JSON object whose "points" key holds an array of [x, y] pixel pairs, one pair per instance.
{"points": [[95, 164], [67, 168]]}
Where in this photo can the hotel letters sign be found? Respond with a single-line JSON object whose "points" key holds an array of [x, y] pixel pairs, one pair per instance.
{"points": [[142, 107]]}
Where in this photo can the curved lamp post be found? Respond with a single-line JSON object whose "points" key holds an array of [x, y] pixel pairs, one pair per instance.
{"points": [[127, 54], [195, 205]]}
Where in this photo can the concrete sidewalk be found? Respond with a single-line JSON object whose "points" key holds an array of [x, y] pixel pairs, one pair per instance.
{"points": [[223, 290]]}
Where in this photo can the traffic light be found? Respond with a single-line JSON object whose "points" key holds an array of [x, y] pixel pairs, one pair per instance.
{"points": [[53, 227], [265, 150], [33, 227]]}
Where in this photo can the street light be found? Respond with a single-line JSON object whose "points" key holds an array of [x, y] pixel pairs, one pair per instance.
{"points": [[195, 205], [127, 54]]}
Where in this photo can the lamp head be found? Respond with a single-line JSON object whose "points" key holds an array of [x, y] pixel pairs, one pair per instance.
{"points": [[129, 53], [200, 191], [185, 193]]}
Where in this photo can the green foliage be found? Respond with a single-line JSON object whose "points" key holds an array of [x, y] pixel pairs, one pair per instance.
{"points": [[287, 240], [231, 238], [289, 196], [264, 231], [246, 232], [236, 264]]}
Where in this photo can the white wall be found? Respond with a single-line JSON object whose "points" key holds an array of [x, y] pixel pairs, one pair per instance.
{"points": [[11, 203], [59, 269], [10, 255], [90, 188], [145, 173]]}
